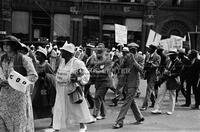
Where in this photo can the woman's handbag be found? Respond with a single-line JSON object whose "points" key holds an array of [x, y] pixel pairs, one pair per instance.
{"points": [[76, 97]]}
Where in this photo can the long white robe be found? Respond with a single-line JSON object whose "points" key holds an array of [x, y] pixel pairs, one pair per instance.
{"points": [[66, 113]]}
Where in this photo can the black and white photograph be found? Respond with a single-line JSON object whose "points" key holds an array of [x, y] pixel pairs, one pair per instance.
{"points": [[99, 65]]}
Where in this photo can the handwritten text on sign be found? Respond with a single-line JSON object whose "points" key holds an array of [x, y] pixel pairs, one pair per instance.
{"points": [[120, 34], [18, 82]]}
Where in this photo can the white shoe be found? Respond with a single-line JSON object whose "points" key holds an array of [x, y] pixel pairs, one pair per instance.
{"points": [[100, 117], [83, 129], [169, 113], [156, 111], [94, 119]]}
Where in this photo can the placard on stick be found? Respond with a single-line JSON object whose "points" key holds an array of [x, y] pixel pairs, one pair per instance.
{"points": [[120, 34]]}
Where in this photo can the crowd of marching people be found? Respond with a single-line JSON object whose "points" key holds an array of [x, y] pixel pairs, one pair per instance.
{"points": [[61, 78]]}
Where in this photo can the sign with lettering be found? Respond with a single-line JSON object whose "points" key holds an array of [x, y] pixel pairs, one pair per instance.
{"points": [[18, 82], [120, 34], [153, 37]]}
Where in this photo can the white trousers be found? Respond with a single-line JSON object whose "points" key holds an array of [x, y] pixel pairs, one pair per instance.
{"points": [[161, 94]]}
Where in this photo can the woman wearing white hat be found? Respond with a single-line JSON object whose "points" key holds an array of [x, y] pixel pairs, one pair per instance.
{"points": [[71, 75]]}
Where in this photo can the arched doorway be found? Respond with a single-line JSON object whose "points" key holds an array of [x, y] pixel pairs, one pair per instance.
{"points": [[174, 27]]}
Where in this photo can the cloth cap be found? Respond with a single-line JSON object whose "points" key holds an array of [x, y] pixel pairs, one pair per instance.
{"points": [[42, 50], [172, 51], [32, 46], [100, 45], [182, 51], [154, 45], [113, 49], [68, 47], [125, 49], [90, 46], [140, 52], [121, 45], [133, 45], [55, 46]]}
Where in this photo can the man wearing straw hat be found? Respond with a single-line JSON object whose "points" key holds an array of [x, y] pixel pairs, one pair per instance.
{"points": [[170, 81]]}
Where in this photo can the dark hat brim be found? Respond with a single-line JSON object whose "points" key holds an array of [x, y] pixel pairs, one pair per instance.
{"points": [[13, 40]]}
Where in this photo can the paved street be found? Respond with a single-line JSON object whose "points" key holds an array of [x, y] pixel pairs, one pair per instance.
{"points": [[183, 120]]}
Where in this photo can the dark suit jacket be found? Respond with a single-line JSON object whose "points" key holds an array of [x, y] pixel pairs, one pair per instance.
{"points": [[193, 72], [152, 66], [175, 69], [186, 65], [133, 78]]}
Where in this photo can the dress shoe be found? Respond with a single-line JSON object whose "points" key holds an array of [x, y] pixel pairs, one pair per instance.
{"points": [[140, 121], [94, 120], [169, 113], [185, 105], [113, 105], [194, 107], [100, 117], [83, 129], [143, 108], [156, 111], [117, 126]]}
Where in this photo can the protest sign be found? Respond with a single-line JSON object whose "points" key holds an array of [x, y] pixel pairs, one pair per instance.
{"points": [[150, 37], [18, 82], [165, 44], [120, 34], [153, 37], [157, 37], [177, 42]]}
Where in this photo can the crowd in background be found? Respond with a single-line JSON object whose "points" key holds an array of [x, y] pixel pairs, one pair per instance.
{"points": [[59, 71]]}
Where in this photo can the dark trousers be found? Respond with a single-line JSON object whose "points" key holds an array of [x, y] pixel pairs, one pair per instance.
{"points": [[119, 95], [150, 95], [99, 102], [195, 91], [88, 95], [182, 89], [129, 103]]}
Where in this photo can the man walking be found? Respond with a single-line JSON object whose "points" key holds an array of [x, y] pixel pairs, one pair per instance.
{"points": [[135, 65], [192, 79], [152, 63]]}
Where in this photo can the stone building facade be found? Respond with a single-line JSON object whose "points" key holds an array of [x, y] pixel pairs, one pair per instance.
{"points": [[92, 21]]}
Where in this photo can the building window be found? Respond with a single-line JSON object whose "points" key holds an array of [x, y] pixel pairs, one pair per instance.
{"points": [[41, 25], [20, 25], [61, 26], [134, 27], [108, 30], [91, 29]]}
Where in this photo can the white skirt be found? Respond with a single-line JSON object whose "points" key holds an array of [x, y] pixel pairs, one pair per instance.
{"points": [[66, 113]]}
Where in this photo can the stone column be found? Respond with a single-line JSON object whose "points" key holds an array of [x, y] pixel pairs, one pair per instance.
{"points": [[149, 21]]}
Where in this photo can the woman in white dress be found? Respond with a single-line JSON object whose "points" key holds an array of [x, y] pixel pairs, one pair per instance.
{"points": [[65, 112]]}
